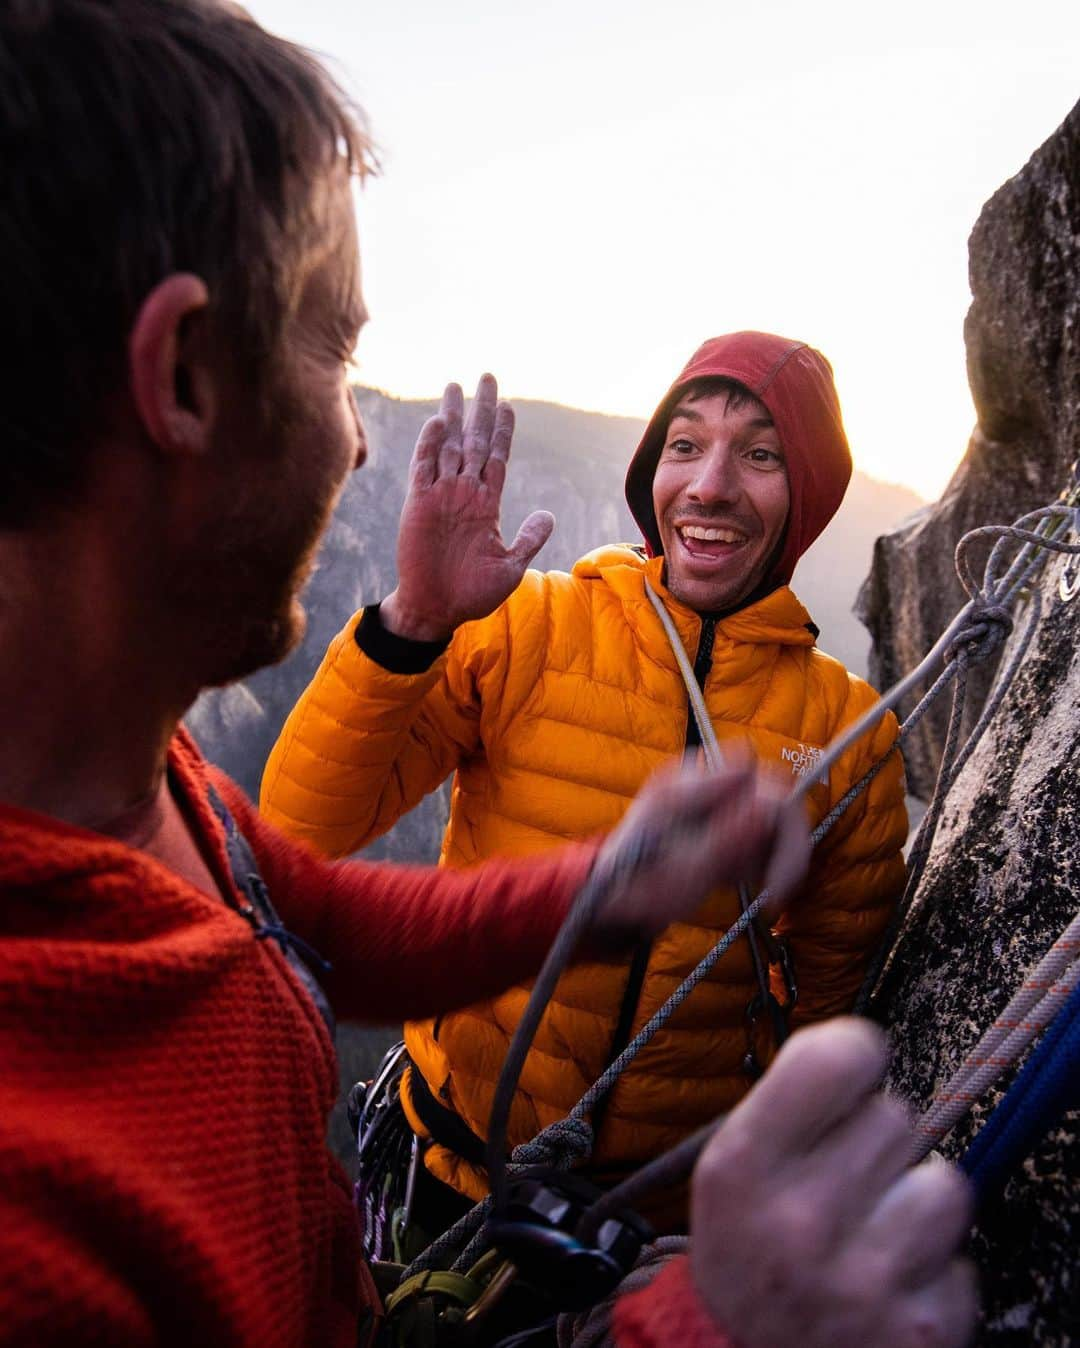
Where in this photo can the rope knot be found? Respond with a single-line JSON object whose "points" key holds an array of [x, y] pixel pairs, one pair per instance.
{"points": [[560, 1144], [989, 626]]}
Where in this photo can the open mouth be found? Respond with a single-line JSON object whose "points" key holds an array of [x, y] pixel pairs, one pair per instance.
{"points": [[710, 541]]}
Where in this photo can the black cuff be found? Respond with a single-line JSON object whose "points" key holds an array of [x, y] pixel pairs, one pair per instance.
{"points": [[398, 655]]}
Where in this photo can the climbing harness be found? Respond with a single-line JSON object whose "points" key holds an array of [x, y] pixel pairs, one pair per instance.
{"points": [[539, 1218]]}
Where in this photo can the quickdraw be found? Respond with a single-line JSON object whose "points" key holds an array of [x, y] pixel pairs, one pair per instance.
{"points": [[388, 1156]]}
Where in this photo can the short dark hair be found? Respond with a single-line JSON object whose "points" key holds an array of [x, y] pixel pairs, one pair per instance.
{"points": [[140, 138], [710, 386]]}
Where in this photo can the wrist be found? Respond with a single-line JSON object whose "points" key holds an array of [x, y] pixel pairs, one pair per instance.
{"points": [[403, 620], [670, 1309], [396, 654]]}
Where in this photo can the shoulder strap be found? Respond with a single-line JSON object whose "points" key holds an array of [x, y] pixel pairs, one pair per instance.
{"points": [[261, 913]]}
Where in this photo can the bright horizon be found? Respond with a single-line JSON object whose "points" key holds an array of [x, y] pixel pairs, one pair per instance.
{"points": [[576, 197]]}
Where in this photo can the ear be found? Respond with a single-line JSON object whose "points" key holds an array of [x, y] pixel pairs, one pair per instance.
{"points": [[172, 381]]}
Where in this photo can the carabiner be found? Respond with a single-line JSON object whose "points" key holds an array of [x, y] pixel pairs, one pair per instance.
{"points": [[1069, 585]]}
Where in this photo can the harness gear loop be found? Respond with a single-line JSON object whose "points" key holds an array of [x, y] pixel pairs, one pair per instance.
{"points": [[430, 1309], [455, 1287]]}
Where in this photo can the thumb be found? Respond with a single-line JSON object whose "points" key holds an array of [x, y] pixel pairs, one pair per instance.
{"points": [[531, 537]]}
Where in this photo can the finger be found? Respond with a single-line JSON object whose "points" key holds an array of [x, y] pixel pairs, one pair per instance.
{"points": [[789, 858], [845, 1174], [942, 1313], [476, 439], [678, 799], [819, 1077], [677, 794], [494, 473], [451, 411], [671, 884], [531, 537], [426, 453], [921, 1221]]}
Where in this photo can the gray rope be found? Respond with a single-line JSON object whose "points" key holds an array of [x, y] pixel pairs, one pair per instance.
{"points": [[980, 608], [975, 642], [664, 1171], [559, 1145], [974, 634], [714, 758], [611, 1074], [462, 1233], [1004, 683]]}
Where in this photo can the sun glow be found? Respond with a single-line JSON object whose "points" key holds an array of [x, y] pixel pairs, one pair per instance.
{"points": [[575, 196]]}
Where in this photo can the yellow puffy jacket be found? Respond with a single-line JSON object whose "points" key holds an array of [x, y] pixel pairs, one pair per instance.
{"points": [[552, 712]]}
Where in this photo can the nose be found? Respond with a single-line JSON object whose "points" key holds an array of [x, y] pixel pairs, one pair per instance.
{"points": [[716, 480], [361, 436]]}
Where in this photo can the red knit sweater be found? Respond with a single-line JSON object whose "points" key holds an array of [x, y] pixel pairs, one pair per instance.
{"points": [[165, 1082]]}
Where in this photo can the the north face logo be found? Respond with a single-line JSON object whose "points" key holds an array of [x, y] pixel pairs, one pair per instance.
{"points": [[804, 760]]}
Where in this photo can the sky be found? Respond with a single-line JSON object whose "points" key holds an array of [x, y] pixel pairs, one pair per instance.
{"points": [[576, 193]]}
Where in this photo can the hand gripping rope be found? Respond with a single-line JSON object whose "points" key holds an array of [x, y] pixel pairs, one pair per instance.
{"points": [[600, 1235]]}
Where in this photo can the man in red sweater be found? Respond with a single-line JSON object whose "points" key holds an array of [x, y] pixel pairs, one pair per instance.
{"points": [[175, 427]]}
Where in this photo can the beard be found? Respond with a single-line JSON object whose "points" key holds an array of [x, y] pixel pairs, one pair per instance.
{"points": [[281, 462], [237, 599], [242, 611]]}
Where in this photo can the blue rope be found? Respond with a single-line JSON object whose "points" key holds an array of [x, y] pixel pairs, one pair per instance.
{"points": [[1046, 1088]]}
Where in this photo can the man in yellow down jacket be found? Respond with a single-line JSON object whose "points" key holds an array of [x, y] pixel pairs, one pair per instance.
{"points": [[552, 697]]}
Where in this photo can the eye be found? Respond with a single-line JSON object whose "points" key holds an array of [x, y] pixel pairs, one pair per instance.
{"points": [[765, 456], [680, 446]]}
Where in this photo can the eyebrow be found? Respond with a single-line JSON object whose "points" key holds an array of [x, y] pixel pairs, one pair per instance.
{"points": [[687, 412]]}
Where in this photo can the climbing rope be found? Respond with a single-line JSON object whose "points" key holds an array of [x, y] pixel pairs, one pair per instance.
{"points": [[1047, 1086], [714, 758], [973, 635], [1040, 997]]}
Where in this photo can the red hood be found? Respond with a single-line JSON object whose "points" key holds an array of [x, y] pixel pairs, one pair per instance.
{"points": [[795, 383]]}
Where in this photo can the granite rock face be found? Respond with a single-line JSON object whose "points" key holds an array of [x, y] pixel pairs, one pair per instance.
{"points": [[1023, 355], [1003, 878]]}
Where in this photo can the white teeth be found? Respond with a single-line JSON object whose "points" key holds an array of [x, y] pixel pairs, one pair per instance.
{"points": [[710, 535]]}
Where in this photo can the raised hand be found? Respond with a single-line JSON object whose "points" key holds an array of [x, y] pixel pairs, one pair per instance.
{"points": [[452, 563]]}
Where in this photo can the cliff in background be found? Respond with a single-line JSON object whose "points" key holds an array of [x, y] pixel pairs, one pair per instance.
{"points": [[1023, 358], [1003, 879], [566, 461]]}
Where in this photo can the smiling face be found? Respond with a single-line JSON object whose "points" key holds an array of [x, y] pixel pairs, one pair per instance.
{"points": [[721, 498]]}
